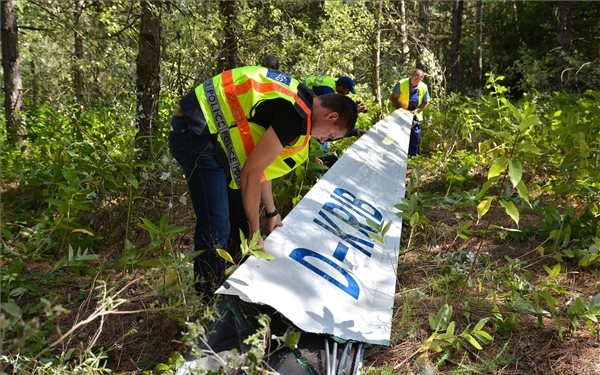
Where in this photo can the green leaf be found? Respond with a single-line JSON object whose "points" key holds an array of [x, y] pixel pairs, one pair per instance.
{"points": [[82, 230], [472, 341], [414, 219], [162, 367], [55, 202], [133, 182], [576, 308], [149, 226], [514, 110], [486, 186], [149, 263], [484, 206], [587, 260], [524, 307], [554, 271], [506, 326], [511, 210], [292, 339], [386, 227], [439, 321], [484, 334], [225, 255], [17, 292], [523, 192], [498, 166], [527, 122], [11, 308], [174, 229], [479, 326], [515, 172], [262, 255]]}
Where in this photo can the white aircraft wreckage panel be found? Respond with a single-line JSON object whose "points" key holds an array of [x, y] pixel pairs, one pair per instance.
{"points": [[329, 275]]}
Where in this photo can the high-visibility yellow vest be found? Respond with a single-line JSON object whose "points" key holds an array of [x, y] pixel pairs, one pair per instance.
{"points": [[313, 81], [405, 95], [226, 101]]}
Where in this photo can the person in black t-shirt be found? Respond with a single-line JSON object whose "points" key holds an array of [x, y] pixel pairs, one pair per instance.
{"points": [[225, 201]]}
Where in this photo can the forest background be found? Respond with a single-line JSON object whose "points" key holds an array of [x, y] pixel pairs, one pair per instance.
{"points": [[500, 247]]}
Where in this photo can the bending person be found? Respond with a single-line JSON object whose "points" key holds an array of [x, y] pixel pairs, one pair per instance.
{"points": [[236, 130]]}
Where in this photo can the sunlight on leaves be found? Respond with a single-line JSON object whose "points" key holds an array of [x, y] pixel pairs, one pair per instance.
{"points": [[484, 206], [225, 255], [511, 210], [515, 172], [498, 167], [523, 192]]}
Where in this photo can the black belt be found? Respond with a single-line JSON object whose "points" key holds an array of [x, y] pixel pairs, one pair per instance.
{"points": [[180, 128]]}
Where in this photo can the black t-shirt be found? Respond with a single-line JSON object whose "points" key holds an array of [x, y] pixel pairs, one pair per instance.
{"points": [[281, 116]]}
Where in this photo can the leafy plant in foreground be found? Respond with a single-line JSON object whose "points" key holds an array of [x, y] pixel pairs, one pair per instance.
{"points": [[444, 337], [248, 247]]}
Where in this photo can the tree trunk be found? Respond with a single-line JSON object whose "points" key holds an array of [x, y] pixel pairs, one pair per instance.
{"points": [[404, 35], [423, 34], [78, 85], [148, 68], [457, 11], [11, 65], [516, 20], [377, 56], [229, 13], [565, 26], [478, 66]]}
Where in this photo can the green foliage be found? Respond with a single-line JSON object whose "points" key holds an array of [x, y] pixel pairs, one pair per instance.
{"points": [[444, 337], [411, 210], [248, 247], [585, 310], [76, 260], [534, 151], [161, 236]]}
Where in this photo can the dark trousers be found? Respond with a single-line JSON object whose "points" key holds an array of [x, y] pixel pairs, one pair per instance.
{"points": [[219, 210], [414, 146]]}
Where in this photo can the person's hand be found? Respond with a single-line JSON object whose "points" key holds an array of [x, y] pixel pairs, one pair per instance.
{"points": [[273, 222], [319, 161], [360, 107]]}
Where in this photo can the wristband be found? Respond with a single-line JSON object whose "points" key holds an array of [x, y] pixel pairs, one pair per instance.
{"points": [[269, 215]]}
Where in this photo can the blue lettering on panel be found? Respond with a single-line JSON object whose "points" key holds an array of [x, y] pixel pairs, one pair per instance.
{"points": [[299, 255], [340, 252], [344, 236], [363, 207], [350, 219]]}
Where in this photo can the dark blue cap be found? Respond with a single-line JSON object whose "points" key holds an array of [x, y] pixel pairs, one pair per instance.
{"points": [[346, 82]]}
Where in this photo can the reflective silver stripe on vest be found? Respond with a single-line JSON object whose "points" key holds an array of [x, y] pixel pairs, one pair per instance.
{"points": [[234, 163]]}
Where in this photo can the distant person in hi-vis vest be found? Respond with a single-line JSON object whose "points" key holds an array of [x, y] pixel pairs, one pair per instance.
{"points": [[412, 94], [323, 84]]}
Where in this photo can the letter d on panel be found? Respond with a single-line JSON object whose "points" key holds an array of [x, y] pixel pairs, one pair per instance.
{"points": [[300, 255]]}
